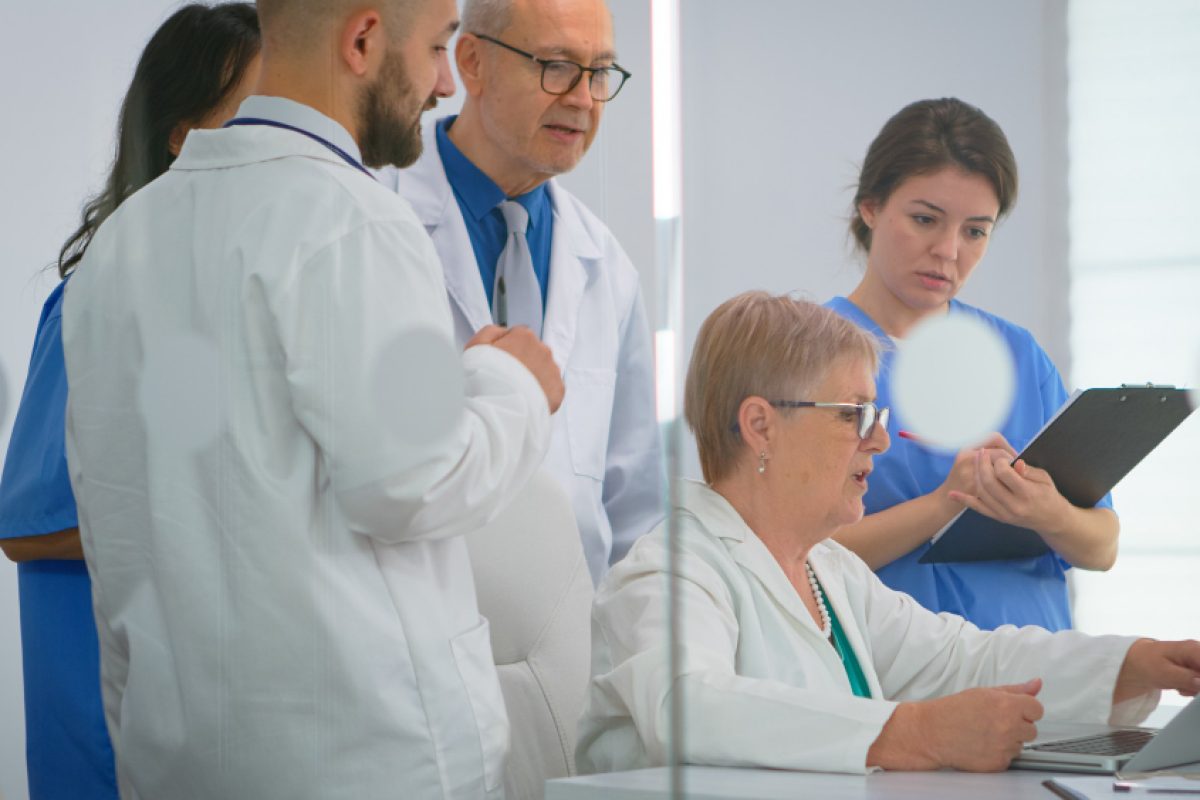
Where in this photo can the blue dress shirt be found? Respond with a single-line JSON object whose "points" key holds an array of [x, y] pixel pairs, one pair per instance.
{"points": [[478, 198], [67, 748], [1027, 591]]}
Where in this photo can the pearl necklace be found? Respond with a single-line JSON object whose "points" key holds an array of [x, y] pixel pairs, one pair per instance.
{"points": [[819, 596]]}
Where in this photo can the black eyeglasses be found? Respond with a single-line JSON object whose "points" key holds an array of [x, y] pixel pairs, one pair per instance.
{"points": [[560, 76], [869, 414]]}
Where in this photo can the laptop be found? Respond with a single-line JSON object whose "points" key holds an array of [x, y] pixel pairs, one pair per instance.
{"points": [[1126, 751]]}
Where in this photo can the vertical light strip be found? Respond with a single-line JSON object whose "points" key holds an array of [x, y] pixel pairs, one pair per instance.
{"points": [[666, 105]]}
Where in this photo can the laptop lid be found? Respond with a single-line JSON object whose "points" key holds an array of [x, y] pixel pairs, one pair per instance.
{"points": [[1176, 745]]}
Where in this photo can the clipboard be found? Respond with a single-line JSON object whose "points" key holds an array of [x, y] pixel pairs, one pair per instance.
{"points": [[1095, 440]]}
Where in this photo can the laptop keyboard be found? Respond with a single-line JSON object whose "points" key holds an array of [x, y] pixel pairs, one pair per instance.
{"points": [[1113, 743]]}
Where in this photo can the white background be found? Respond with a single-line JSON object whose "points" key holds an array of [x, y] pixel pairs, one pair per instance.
{"points": [[1135, 269], [781, 98]]}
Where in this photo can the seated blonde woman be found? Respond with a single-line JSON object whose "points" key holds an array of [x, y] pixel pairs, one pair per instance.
{"points": [[794, 655]]}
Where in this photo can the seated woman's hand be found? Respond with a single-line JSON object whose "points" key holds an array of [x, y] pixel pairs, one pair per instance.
{"points": [[1152, 665], [979, 730]]}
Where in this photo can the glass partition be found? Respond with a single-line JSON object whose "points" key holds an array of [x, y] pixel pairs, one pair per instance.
{"points": [[780, 101]]}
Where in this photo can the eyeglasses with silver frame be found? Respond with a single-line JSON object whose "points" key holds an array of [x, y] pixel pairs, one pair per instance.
{"points": [[869, 414]]}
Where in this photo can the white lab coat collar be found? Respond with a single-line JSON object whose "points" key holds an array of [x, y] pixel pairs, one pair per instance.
{"points": [[234, 147], [723, 521], [298, 115], [574, 259], [574, 254]]}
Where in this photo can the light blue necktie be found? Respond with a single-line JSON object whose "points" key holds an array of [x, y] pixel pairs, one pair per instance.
{"points": [[517, 297]]}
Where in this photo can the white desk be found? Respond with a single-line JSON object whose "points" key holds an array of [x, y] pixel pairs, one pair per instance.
{"points": [[727, 783]]}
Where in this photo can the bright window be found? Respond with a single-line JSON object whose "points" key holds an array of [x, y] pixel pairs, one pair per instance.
{"points": [[1134, 105]]}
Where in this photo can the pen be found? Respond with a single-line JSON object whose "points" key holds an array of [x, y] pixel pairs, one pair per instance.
{"points": [[1137, 787], [1064, 792], [912, 437], [501, 302]]}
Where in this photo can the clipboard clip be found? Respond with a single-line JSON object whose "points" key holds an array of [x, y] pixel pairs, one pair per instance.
{"points": [[1163, 387]]}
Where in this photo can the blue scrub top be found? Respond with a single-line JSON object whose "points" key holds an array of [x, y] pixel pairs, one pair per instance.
{"points": [[68, 752], [479, 199], [1026, 591]]}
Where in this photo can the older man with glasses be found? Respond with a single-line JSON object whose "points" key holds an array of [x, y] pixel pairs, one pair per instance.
{"points": [[518, 249]]}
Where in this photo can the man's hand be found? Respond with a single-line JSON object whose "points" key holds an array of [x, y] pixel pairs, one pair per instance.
{"points": [[1152, 665], [486, 335], [523, 345], [979, 730]]}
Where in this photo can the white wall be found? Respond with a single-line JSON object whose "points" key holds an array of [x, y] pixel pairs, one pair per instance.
{"points": [[781, 99], [777, 126], [66, 66]]}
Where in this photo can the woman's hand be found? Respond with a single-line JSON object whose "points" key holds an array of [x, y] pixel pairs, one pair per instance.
{"points": [[979, 730], [1152, 665], [1022, 495], [962, 479], [1015, 493]]}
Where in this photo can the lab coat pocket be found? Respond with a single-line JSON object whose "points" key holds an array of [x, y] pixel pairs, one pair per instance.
{"points": [[589, 405], [473, 654]]}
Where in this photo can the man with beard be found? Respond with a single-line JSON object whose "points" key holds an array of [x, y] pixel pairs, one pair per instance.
{"points": [[276, 445], [518, 249]]}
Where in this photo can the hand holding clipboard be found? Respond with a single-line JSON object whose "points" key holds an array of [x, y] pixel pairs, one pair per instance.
{"points": [[1094, 440]]}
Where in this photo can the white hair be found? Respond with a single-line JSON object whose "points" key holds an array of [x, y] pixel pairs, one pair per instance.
{"points": [[489, 17]]}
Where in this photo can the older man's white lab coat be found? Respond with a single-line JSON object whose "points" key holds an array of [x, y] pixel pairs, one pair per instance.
{"points": [[605, 448], [283, 595], [763, 687]]}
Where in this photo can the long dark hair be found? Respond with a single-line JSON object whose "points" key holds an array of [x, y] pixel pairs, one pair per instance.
{"points": [[192, 63], [924, 137]]}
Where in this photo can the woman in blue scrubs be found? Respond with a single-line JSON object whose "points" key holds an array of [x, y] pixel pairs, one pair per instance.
{"points": [[194, 72], [934, 183]]}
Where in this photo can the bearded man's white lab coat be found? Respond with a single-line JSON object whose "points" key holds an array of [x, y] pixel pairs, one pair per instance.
{"points": [[270, 519]]}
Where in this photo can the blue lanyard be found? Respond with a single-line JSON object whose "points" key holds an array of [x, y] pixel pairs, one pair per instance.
{"points": [[349, 159]]}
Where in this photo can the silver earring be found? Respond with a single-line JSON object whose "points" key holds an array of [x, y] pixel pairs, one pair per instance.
{"points": [[762, 462]]}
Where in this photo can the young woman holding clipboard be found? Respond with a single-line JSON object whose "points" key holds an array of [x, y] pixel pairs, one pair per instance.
{"points": [[196, 69], [934, 183]]}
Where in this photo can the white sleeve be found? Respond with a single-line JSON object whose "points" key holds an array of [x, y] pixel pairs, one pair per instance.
{"points": [[920, 655], [347, 319]]}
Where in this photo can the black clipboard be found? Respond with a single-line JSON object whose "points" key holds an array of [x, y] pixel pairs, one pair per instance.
{"points": [[1094, 440]]}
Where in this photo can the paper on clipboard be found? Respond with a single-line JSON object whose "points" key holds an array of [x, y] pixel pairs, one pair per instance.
{"points": [[1097, 786]]}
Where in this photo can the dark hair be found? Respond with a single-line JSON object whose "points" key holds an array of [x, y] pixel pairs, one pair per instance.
{"points": [[192, 63], [927, 136]]}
